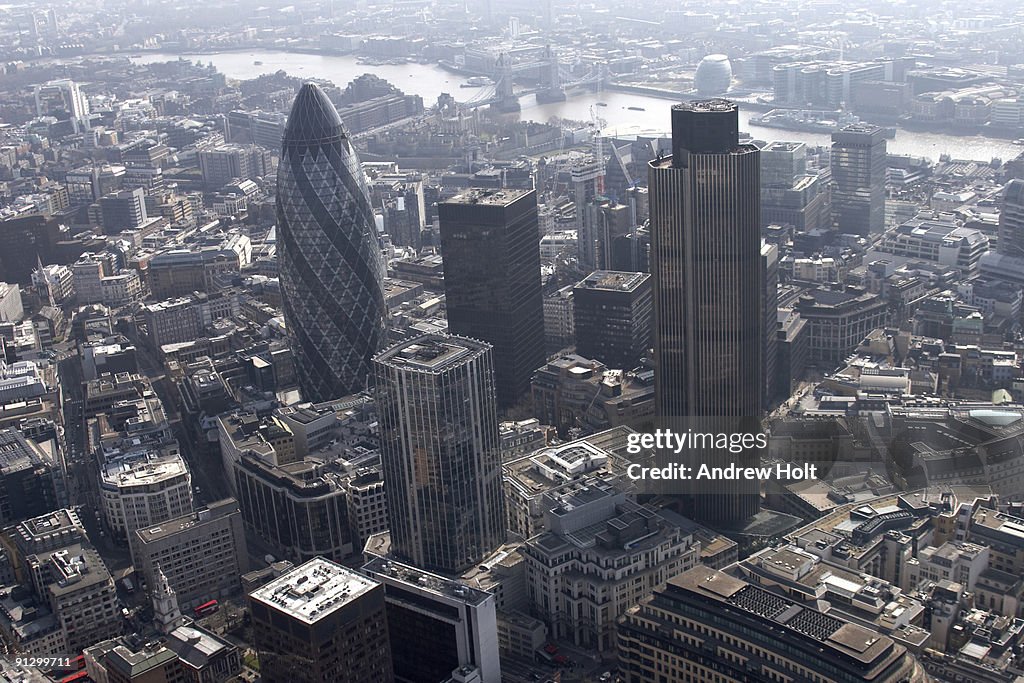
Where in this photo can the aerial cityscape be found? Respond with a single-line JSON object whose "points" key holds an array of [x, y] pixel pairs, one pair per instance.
{"points": [[426, 341]]}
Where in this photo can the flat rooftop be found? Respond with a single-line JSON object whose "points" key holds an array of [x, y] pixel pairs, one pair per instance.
{"points": [[392, 571], [491, 197], [613, 281], [314, 590], [432, 353]]}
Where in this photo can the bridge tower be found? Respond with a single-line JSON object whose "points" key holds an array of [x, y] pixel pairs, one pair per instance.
{"points": [[551, 89], [505, 99]]}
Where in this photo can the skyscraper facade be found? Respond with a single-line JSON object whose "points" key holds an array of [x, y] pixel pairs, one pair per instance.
{"points": [[612, 314], [440, 451], [858, 177], [706, 263], [492, 281], [1011, 220], [329, 259]]}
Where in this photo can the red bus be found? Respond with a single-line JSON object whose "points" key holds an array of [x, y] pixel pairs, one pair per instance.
{"points": [[80, 676], [206, 608]]}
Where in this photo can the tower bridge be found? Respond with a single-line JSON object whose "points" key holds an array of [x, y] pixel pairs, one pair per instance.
{"points": [[554, 80]]}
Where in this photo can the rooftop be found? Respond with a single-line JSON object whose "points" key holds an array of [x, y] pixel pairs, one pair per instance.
{"points": [[311, 591], [423, 580], [489, 197], [615, 281], [432, 353]]}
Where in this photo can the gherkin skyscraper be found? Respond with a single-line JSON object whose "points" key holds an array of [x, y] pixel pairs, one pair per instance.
{"points": [[329, 260]]}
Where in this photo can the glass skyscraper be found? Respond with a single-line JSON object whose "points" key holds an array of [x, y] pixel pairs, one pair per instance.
{"points": [[706, 269], [440, 451], [329, 259]]}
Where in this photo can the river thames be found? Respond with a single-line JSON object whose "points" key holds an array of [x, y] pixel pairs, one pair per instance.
{"points": [[430, 80]]}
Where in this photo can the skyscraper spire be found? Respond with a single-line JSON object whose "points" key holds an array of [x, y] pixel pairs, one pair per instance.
{"points": [[331, 267]]}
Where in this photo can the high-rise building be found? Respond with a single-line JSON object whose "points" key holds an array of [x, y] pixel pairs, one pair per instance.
{"points": [[321, 622], [441, 451], [587, 185], [1006, 262], [706, 267], [770, 308], [858, 178], [329, 259], [726, 630], [63, 99], [612, 315], [1011, 220], [492, 280]]}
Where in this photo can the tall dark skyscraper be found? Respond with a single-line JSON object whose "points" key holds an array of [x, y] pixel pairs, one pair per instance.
{"points": [[612, 315], [492, 281], [330, 264], [706, 267], [440, 451], [858, 179]]}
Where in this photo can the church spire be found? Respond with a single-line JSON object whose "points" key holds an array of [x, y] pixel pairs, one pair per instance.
{"points": [[166, 613]]}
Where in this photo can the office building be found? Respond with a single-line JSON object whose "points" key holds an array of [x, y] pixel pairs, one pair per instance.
{"points": [[858, 179], [572, 392], [838, 320], [298, 509], [66, 574], [201, 554], [729, 631], [437, 626], [224, 163], [115, 661], [24, 241], [141, 491], [329, 259], [770, 311], [587, 184], [172, 321], [790, 194], [1011, 220], [322, 622], [123, 210], [26, 479], [64, 100], [600, 555], [1006, 262], [706, 269], [559, 329], [492, 281], [613, 317], [440, 451]]}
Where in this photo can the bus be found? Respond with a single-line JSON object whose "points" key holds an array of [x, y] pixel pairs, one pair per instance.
{"points": [[206, 608]]}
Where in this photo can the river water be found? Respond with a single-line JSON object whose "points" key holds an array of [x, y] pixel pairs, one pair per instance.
{"points": [[429, 80]]}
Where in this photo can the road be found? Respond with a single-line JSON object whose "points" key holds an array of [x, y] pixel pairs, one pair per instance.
{"points": [[207, 473]]}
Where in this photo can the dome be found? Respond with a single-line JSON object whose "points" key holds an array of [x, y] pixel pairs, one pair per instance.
{"points": [[714, 74]]}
